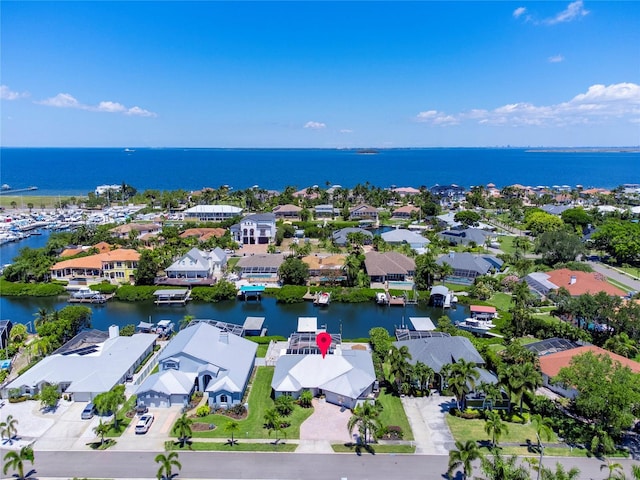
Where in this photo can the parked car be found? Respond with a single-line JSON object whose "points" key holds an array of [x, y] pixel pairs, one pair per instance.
{"points": [[141, 409], [144, 423], [88, 412]]}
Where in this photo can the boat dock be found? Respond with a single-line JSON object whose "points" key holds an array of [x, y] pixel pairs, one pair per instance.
{"points": [[179, 296], [98, 298], [11, 191], [251, 292]]}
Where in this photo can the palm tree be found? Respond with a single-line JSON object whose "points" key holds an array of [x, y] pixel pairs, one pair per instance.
{"points": [[495, 427], [521, 378], [560, 473], [543, 428], [167, 462], [15, 461], [101, 429], [497, 467], [461, 379], [423, 374], [365, 416], [41, 317], [445, 271], [399, 358], [182, 429], [462, 456], [231, 427], [9, 429], [635, 470], [622, 345], [613, 467]]}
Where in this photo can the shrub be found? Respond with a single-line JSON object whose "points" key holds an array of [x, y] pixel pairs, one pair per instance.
{"points": [[291, 294], [104, 287], [131, 293], [222, 290], [238, 409], [16, 289], [203, 411]]}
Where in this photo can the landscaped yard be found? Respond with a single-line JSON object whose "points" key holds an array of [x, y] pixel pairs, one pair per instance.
{"points": [[464, 429], [502, 301], [282, 446], [393, 414], [342, 448], [123, 420], [259, 402]]}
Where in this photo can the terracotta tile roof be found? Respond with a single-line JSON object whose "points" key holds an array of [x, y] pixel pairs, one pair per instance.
{"points": [[203, 234], [96, 261], [406, 209], [102, 247], [551, 364], [585, 282], [288, 208], [70, 252]]}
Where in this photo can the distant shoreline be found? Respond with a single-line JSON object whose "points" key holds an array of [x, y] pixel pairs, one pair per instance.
{"points": [[585, 150]]}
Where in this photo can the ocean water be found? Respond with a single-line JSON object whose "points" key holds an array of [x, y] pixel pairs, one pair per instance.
{"points": [[76, 171]]}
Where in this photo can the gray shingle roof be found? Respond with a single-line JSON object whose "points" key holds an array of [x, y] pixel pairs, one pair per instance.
{"points": [[400, 235], [340, 236], [436, 352], [388, 263], [472, 262]]}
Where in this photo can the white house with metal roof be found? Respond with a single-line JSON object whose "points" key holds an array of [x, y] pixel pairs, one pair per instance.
{"points": [[205, 358], [85, 369], [399, 236], [198, 264], [345, 378], [211, 213]]}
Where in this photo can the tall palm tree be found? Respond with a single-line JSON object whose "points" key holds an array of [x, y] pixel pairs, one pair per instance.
{"points": [[423, 374], [365, 417], [521, 378], [167, 462], [463, 456], [543, 428], [101, 429], [15, 461], [613, 467], [232, 426], [560, 473], [182, 429], [9, 429], [462, 378], [399, 358], [495, 427], [41, 317]]}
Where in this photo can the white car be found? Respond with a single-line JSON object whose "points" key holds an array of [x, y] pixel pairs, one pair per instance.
{"points": [[144, 423]]}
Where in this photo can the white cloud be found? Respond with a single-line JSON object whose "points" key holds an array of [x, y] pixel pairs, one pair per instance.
{"points": [[518, 12], [315, 125], [65, 100], [7, 94], [598, 104], [346, 130], [573, 11], [556, 59], [140, 112], [111, 107]]}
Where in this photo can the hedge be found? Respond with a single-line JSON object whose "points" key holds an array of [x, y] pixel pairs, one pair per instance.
{"points": [[16, 289], [131, 293]]}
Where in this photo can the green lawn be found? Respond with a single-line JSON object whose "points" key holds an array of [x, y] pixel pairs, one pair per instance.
{"points": [[345, 448], [259, 402], [620, 285], [502, 301], [393, 414], [239, 447], [506, 244], [262, 351], [463, 430]]}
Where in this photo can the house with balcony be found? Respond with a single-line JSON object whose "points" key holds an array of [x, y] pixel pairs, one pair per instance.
{"points": [[363, 212], [259, 228], [138, 229], [288, 211], [211, 213], [117, 266], [196, 267]]}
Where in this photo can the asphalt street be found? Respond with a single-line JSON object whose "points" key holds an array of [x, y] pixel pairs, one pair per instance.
{"points": [[270, 466]]}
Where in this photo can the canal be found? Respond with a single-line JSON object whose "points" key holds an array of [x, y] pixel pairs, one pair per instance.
{"points": [[352, 320]]}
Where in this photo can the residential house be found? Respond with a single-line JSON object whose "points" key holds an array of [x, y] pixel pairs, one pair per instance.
{"points": [[90, 363], [203, 234], [287, 211], [329, 269], [448, 194], [139, 229], [389, 266], [575, 282], [340, 237], [116, 266], [405, 212], [363, 212], [72, 251], [551, 364], [259, 228], [468, 266], [205, 358], [211, 213], [555, 209], [197, 267], [468, 236], [400, 236], [345, 378], [405, 191], [309, 193], [260, 267], [325, 211]]}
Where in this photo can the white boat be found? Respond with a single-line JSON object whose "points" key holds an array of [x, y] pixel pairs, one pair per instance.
{"points": [[323, 298], [381, 298], [476, 325]]}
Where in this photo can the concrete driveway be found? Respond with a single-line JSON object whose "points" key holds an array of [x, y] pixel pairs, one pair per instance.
{"points": [[69, 432], [32, 422], [154, 439], [325, 426], [430, 429]]}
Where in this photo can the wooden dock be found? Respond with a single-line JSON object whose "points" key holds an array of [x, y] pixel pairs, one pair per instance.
{"points": [[172, 296], [98, 298]]}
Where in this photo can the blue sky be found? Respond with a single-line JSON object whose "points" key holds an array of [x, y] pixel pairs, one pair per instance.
{"points": [[320, 74]]}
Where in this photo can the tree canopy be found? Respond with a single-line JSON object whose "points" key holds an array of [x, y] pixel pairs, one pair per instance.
{"points": [[293, 271]]}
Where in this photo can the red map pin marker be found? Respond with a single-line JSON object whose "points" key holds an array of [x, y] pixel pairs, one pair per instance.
{"points": [[323, 340]]}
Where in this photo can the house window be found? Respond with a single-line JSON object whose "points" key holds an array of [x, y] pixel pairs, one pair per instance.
{"points": [[223, 398], [170, 365]]}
